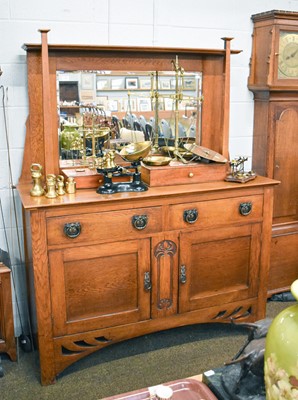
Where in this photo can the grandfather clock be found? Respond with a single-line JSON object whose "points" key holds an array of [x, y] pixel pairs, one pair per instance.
{"points": [[274, 81]]}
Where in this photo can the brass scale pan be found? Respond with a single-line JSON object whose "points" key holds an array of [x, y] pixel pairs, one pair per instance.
{"points": [[203, 152], [136, 150], [200, 151]]}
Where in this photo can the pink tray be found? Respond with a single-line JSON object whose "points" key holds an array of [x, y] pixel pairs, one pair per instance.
{"points": [[183, 389]]}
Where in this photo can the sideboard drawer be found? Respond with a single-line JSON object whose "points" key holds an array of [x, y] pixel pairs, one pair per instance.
{"points": [[104, 226], [215, 212]]}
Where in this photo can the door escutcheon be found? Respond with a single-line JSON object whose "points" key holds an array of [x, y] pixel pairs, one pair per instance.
{"points": [[183, 274], [147, 281]]}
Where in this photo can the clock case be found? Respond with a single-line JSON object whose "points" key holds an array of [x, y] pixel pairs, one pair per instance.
{"points": [[268, 27], [275, 140]]}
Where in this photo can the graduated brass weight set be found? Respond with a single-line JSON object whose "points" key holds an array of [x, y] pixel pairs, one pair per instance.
{"points": [[54, 185]]}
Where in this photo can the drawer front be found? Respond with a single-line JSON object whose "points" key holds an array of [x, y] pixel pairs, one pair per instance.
{"points": [[215, 212], [104, 226]]}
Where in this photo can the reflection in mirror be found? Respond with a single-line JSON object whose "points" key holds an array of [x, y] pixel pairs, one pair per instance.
{"points": [[106, 109]]}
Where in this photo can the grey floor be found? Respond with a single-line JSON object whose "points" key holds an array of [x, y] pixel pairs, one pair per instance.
{"points": [[141, 362]]}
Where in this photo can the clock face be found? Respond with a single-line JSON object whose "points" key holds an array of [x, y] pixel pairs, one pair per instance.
{"points": [[288, 55]]}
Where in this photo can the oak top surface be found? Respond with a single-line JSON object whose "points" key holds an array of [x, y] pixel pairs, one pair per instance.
{"points": [[88, 196]]}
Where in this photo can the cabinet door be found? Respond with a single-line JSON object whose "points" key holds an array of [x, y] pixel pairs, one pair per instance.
{"points": [[286, 163], [218, 266], [98, 286]]}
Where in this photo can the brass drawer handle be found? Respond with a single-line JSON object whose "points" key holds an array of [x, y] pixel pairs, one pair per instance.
{"points": [[190, 216], [147, 281], [245, 208], [139, 221], [72, 229]]}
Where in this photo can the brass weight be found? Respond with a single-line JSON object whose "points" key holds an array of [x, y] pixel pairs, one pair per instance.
{"points": [[51, 186], [36, 173], [60, 185], [70, 185]]}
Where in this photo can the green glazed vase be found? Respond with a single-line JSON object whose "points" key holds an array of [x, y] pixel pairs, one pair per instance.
{"points": [[281, 354], [69, 136]]}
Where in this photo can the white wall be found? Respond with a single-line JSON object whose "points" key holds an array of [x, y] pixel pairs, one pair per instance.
{"points": [[173, 23]]}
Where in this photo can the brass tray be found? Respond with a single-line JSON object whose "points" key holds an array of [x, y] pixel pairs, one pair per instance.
{"points": [[183, 389], [157, 160], [204, 152]]}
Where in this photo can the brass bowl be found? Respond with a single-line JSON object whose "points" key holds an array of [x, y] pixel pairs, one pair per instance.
{"points": [[102, 132], [157, 160], [169, 151], [135, 151], [187, 155]]}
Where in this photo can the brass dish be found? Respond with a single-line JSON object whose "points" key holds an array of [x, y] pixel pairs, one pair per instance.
{"points": [[135, 151], [169, 151], [157, 160], [187, 155], [102, 132], [203, 152], [187, 139]]}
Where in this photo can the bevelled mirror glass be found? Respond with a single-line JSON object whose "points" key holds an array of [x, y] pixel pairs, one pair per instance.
{"points": [[108, 109]]}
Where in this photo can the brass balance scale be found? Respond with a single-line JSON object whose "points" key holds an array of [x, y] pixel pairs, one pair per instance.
{"points": [[150, 153], [133, 153]]}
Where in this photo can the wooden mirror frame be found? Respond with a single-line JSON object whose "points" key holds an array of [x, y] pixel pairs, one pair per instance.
{"points": [[43, 62]]}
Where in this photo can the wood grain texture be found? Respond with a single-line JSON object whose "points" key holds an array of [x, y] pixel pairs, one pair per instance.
{"points": [[275, 144], [45, 60], [7, 338], [112, 281], [95, 284]]}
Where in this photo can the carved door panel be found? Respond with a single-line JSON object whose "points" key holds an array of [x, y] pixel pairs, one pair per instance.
{"points": [[218, 266], [164, 275], [98, 286], [286, 163]]}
